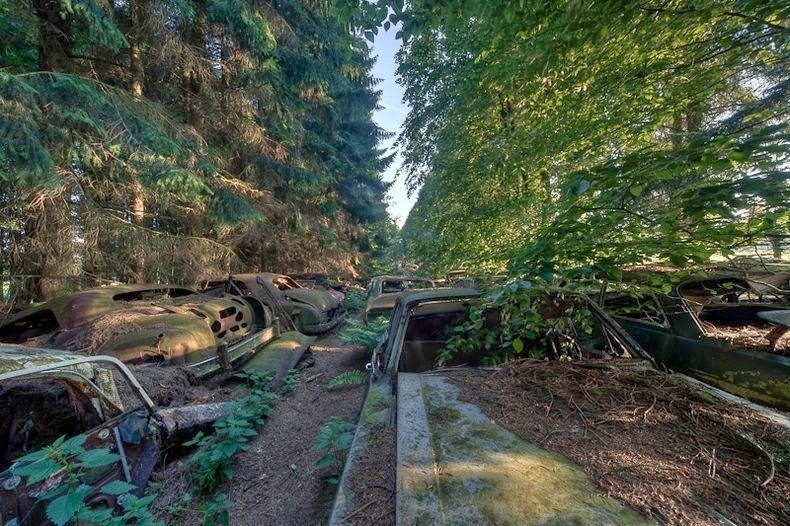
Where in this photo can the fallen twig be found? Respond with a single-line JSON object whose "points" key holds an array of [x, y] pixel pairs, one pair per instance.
{"points": [[361, 509], [313, 377], [762, 450]]}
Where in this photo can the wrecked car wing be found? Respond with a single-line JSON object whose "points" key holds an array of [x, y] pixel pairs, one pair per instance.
{"points": [[137, 436]]}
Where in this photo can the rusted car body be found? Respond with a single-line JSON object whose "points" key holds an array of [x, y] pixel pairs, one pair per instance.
{"points": [[321, 282], [45, 394], [312, 311], [458, 472], [151, 324], [716, 329], [383, 291]]}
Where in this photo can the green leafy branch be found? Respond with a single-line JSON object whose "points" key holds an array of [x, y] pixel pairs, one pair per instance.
{"points": [[347, 379], [368, 335], [68, 463]]}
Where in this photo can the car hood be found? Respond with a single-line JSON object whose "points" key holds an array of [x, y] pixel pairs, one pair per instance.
{"points": [[318, 299], [385, 301]]}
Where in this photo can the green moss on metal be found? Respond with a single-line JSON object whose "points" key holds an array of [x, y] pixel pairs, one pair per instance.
{"points": [[377, 406], [445, 415], [489, 475]]}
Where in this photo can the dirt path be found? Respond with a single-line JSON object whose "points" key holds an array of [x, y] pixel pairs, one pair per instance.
{"points": [[277, 481]]}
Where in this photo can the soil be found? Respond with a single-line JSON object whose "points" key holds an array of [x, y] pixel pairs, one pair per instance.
{"points": [[374, 479], [277, 481], [172, 386], [646, 438]]}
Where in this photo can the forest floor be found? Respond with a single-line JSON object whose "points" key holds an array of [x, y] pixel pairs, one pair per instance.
{"points": [[277, 481], [647, 438]]}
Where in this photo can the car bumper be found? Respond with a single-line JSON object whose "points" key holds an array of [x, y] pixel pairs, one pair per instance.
{"points": [[319, 328]]}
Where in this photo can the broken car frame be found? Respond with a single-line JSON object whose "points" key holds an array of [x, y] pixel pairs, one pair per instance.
{"points": [[678, 329], [46, 393]]}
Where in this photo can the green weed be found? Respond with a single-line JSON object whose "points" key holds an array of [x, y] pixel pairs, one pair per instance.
{"points": [[355, 301], [368, 335], [334, 439], [66, 500]]}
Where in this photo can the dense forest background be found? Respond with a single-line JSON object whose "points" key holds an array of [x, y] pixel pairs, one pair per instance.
{"points": [[172, 140], [575, 137]]}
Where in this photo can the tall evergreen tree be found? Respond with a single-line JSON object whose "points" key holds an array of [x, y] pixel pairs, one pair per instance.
{"points": [[167, 140]]}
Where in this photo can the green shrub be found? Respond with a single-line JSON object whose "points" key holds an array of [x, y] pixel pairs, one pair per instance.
{"points": [[66, 501], [290, 382], [368, 335], [523, 326], [213, 462], [355, 301]]}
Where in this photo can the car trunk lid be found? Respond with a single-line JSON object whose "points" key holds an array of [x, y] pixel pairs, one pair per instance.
{"points": [[455, 465]]}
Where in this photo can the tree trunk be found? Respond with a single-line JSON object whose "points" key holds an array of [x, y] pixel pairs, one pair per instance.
{"points": [[53, 35], [196, 34], [137, 257], [137, 11], [776, 246]]}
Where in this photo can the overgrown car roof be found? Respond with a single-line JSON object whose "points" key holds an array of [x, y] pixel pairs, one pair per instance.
{"points": [[421, 324], [207, 332], [70, 310], [711, 328]]}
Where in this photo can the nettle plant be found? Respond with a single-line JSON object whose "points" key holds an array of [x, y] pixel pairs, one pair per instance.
{"points": [[213, 462], [71, 464], [527, 315], [334, 439], [290, 382]]}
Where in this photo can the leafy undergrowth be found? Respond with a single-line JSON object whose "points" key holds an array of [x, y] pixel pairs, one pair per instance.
{"points": [[66, 501], [290, 382], [356, 332], [355, 301], [347, 379], [212, 464], [334, 439]]}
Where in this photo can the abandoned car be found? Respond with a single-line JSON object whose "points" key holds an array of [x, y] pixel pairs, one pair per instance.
{"points": [[727, 330], [429, 445], [321, 282], [405, 390], [312, 311], [114, 430], [217, 329], [382, 292]]}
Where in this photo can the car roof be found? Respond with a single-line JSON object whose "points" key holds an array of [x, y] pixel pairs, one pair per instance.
{"points": [[403, 278], [17, 357], [412, 297], [60, 304], [263, 275]]}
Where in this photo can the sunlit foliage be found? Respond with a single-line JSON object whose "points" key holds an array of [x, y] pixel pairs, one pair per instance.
{"points": [[555, 135]]}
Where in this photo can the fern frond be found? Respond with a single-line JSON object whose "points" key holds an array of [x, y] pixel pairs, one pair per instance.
{"points": [[347, 379]]}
